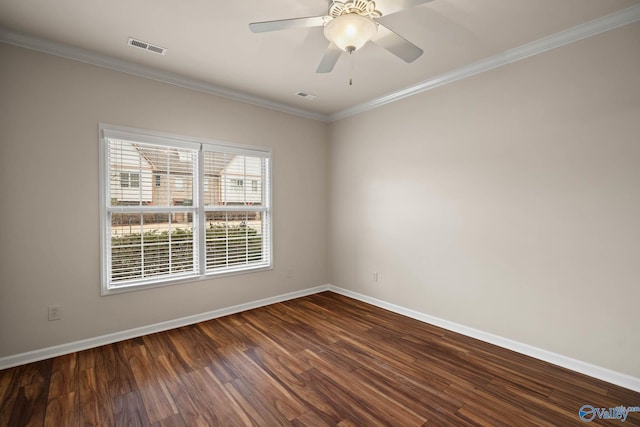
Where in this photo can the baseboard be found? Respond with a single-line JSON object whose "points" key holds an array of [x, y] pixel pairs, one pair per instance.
{"points": [[604, 374], [58, 350], [594, 371]]}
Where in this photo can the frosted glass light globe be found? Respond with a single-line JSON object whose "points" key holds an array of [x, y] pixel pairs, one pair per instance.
{"points": [[350, 31]]}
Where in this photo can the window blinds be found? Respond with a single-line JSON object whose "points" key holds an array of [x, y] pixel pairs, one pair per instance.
{"points": [[152, 227]]}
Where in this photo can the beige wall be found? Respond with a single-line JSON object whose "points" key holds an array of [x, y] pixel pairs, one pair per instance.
{"points": [[508, 202], [49, 207]]}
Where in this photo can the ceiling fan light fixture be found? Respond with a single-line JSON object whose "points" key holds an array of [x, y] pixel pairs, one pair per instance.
{"points": [[350, 31]]}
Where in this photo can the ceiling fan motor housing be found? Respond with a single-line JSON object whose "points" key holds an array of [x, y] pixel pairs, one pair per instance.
{"points": [[360, 7]]}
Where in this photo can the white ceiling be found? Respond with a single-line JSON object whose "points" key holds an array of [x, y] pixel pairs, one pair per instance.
{"points": [[210, 41]]}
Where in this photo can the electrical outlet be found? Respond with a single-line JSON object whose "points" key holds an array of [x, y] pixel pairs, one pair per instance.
{"points": [[375, 276], [54, 312], [289, 273]]}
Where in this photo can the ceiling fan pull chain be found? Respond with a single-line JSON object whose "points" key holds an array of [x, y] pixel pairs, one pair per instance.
{"points": [[351, 68]]}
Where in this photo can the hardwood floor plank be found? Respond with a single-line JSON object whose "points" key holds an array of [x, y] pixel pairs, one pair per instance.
{"points": [[173, 421], [63, 410], [319, 360], [319, 306], [309, 418], [349, 407], [419, 373], [30, 405], [90, 358], [95, 402], [180, 392], [64, 375], [481, 418], [265, 385], [128, 410], [536, 406], [394, 413], [158, 344], [517, 374], [283, 367], [446, 419], [158, 403], [269, 325], [118, 371], [6, 376], [10, 383], [26, 398], [208, 392], [481, 401], [223, 332], [259, 339], [192, 346], [262, 411], [418, 399], [296, 380]]}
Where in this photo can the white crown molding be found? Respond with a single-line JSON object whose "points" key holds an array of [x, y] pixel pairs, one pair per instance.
{"points": [[93, 58], [571, 35], [604, 374]]}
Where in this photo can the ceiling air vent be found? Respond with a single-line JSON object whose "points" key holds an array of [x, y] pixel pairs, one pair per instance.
{"points": [[147, 46]]}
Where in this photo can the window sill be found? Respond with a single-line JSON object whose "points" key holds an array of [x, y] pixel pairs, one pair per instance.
{"points": [[114, 290]]}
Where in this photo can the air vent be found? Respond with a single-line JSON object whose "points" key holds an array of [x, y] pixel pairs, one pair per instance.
{"points": [[147, 46], [308, 96]]}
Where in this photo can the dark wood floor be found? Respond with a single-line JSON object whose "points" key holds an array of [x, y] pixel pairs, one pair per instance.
{"points": [[314, 361]]}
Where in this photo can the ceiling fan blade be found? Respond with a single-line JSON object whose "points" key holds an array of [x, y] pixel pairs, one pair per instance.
{"points": [[285, 24], [329, 59], [392, 6], [396, 44]]}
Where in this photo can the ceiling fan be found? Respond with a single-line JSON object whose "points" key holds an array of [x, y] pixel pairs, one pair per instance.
{"points": [[348, 26]]}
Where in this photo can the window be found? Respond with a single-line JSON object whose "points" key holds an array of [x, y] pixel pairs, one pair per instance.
{"points": [[124, 179], [129, 180], [134, 180], [195, 222]]}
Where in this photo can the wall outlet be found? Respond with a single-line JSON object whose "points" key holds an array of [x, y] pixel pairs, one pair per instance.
{"points": [[54, 312], [290, 273], [375, 276]]}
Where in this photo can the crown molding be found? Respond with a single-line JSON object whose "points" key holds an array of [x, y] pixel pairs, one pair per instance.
{"points": [[571, 35], [93, 58]]}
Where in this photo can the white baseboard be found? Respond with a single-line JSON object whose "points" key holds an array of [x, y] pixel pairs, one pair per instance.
{"points": [[604, 374], [58, 350], [594, 371]]}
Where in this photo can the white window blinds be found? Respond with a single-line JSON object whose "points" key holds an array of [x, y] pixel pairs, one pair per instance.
{"points": [[237, 214], [177, 210]]}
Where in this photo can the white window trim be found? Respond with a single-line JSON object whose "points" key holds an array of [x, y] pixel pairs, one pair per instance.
{"points": [[106, 131]]}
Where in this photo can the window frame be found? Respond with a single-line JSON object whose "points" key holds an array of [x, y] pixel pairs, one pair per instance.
{"points": [[108, 131]]}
